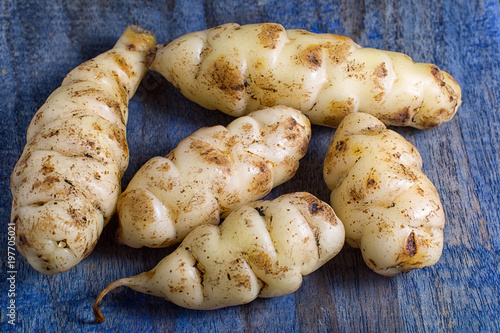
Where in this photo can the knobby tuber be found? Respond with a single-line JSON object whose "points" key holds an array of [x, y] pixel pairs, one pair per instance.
{"points": [[390, 209], [238, 69], [67, 180], [209, 173], [260, 250]]}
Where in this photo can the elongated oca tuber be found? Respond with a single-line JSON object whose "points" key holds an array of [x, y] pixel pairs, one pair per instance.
{"points": [[390, 209], [209, 173], [238, 69], [261, 249], [67, 180]]}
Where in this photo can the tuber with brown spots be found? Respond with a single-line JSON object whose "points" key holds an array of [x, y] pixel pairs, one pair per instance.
{"points": [[67, 180], [209, 173], [261, 249], [390, 209], [239, 69]]}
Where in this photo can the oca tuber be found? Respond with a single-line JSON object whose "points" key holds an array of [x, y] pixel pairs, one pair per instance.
{"points": [[390, 209], [261, 249], [209, 173], [238, 69], [67, 180]]}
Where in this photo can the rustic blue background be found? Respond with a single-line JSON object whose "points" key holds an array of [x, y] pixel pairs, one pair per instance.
{"points": [[41, 41]]}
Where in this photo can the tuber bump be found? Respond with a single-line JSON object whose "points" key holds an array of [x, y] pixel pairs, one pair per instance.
{"points": [[67, 180], [390, 209], [209, 173], [238, 69], [261, 249]]}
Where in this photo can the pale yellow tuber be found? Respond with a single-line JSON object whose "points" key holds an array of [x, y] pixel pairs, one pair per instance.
{"points": [[67, 180], [260, 250], [238, 69], [209, 173], [390, 209]]}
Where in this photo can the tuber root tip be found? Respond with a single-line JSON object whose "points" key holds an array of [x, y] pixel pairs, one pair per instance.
{"points": [[150, 56], [98, 316], [137, 29], [96, 308]]}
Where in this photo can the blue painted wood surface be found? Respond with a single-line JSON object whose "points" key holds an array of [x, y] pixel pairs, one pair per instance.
{"points": [[41, 41]]}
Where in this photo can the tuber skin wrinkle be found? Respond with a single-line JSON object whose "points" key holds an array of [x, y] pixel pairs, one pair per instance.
{"points": [[238, 69], [390, 209], [66, 183], [209, 173], [261, 249]]}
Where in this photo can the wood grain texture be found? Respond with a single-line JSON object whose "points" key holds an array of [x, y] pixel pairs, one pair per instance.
{"points": [[41, 41]]}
